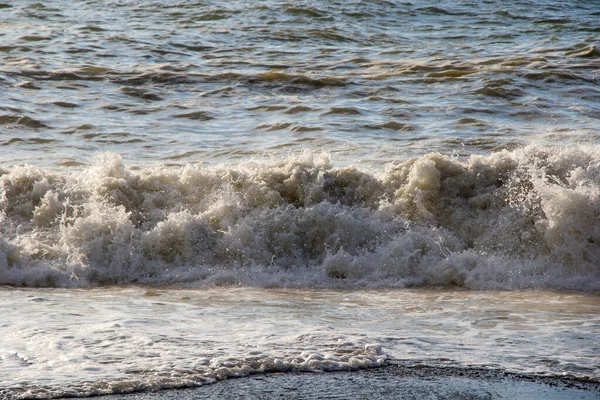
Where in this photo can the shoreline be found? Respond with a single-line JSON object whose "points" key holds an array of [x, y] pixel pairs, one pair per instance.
{"points": [[389, 382]]}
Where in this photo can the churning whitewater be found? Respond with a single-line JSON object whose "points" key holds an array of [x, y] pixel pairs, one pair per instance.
{"points": [[196, 191], [521, 218]]}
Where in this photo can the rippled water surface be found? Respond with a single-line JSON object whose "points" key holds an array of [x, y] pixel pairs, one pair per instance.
{"points": [[197, 190], [208, 81]]}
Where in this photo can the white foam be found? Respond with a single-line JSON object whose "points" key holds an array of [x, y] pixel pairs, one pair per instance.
{"points": [[527, 218], [70, 342]]}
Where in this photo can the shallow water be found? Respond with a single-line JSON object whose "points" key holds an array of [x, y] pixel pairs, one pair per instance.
{"points": [[383, 383], [122, 339], [192, 190]]}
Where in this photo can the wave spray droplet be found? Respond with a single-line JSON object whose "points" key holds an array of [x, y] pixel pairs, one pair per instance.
{"points": [[526, 218]]}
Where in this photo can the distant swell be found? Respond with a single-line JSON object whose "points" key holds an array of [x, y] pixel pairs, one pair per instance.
{"points": [[527, 218]]}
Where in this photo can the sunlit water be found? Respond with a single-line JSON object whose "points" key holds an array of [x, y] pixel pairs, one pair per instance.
{"points": [[196, 190], [203, 81], [105, 340]]}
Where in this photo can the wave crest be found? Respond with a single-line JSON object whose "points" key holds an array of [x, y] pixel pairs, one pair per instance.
{"points": [[512, 219]]}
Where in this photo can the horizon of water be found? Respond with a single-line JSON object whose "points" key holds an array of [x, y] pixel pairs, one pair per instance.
{"points": [[381, 182]]}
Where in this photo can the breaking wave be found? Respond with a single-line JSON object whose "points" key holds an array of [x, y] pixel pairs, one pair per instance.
{"points": [[526, 218]]}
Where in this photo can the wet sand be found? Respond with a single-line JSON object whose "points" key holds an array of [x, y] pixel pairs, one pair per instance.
{"points": [[393, 382]]}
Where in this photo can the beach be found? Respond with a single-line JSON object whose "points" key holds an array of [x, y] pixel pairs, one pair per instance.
{"points": [[307, 199], [385, 383], [136, 339]]}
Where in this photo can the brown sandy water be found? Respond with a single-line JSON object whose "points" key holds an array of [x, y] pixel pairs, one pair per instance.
{"points": [[172, 82], [197, 190]]}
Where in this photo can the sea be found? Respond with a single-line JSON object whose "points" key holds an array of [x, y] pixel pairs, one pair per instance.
{"points": [[193, 191]]}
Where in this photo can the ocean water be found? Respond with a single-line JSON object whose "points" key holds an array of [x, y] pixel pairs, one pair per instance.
{"points": [[198, 190]]}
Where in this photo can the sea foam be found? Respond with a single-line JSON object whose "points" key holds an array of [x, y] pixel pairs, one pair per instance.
{"points": [[526, 218]]}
